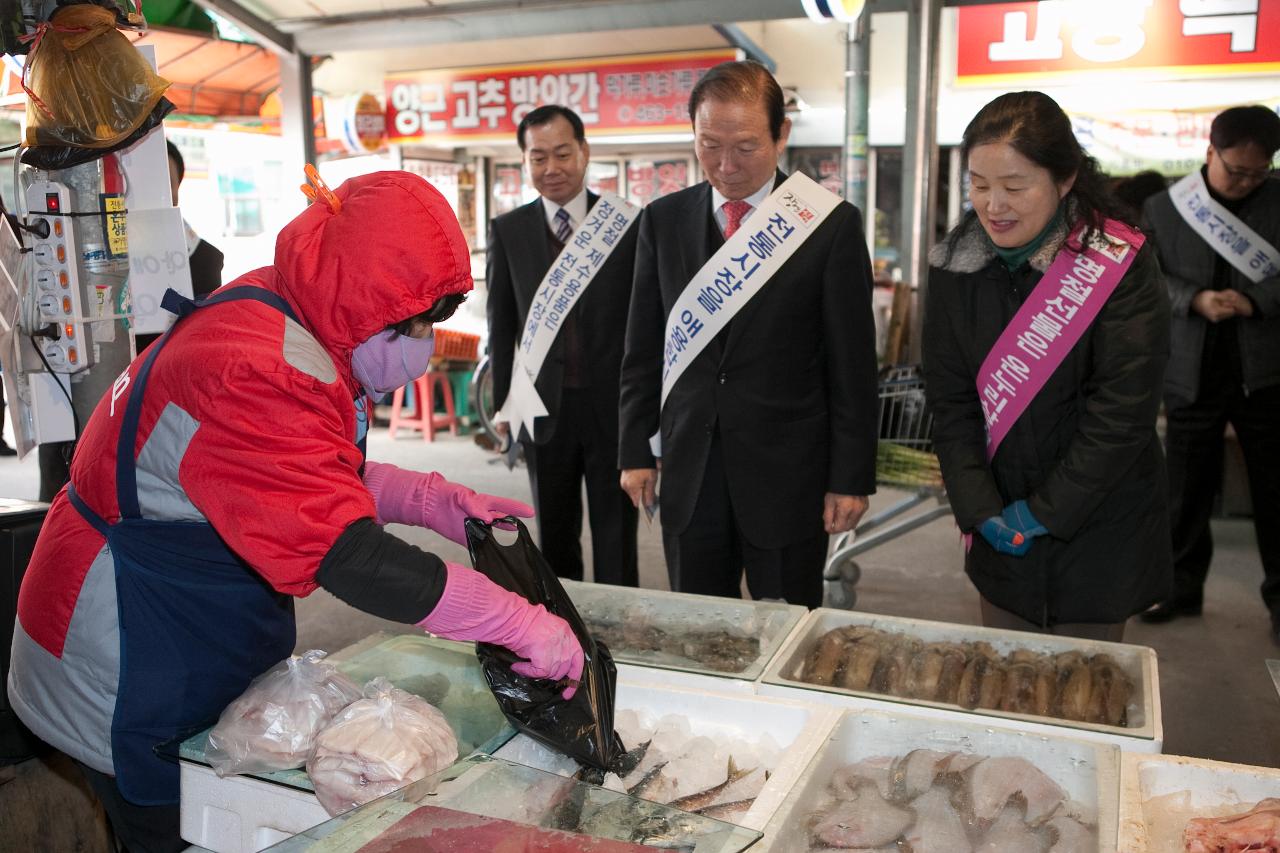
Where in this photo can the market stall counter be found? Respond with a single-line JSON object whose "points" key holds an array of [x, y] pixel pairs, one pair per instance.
{"points": [[1047, 684]]}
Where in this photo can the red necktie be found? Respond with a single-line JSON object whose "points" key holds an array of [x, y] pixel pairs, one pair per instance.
{"points": [[734, 213]]}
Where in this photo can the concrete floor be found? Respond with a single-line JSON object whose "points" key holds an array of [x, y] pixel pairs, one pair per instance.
{"points": [[1218, 699]]}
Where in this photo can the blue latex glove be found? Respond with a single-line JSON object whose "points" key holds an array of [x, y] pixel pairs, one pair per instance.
{"points": [[1018, 516], [1004, 538]]}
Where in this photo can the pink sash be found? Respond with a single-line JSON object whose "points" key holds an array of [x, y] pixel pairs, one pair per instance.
{"points": [[1052, 320]]}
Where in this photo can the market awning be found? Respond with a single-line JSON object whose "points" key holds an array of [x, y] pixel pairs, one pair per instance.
{"points": [[211, 76]]}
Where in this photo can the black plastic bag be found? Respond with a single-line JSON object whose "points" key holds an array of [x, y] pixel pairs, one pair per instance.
{"points": [[581, 727]]}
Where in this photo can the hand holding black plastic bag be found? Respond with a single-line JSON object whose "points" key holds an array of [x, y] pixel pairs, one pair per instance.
{"points": [[581, 727]]}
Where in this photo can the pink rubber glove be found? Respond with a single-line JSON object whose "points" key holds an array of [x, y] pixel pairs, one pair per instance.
{"points": [[475, 608], [429, 500]]}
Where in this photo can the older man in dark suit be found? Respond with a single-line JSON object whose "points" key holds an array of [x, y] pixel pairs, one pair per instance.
{"points": [[768, 438], [578, 382]]}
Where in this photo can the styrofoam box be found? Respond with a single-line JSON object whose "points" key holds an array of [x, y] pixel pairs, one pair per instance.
{"points": [[240, 814], [689, 680], [1209, 783], [798, 727], [1145, 732], [1089, 772], [770, 622]]}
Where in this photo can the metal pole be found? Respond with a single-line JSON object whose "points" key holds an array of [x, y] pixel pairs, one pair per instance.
{"points": [[857, 73], [920, 154], [297, 118]]}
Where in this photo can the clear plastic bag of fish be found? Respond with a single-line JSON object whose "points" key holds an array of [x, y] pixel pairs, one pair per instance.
{"points": [[581, 727], [273, 724], [377, 745]]}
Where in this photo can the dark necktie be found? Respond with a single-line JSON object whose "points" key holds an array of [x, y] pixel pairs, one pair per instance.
{"points": [[563, 230], [734, 213]]}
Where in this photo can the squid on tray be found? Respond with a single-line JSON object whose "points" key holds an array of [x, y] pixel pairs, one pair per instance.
{"points": [[1069, 685]]}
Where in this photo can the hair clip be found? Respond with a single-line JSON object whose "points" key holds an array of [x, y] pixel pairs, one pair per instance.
{"points": [[317, 190]]}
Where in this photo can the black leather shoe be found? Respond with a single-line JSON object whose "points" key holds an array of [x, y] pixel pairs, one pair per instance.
{"points": [[6, 450], [1171, 609]]}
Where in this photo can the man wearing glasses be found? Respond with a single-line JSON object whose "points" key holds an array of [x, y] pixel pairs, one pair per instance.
{"points": [[1217, 232]]}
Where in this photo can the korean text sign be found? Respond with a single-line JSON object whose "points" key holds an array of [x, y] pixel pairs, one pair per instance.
{"points": [[1057, 37], [629, 94]]}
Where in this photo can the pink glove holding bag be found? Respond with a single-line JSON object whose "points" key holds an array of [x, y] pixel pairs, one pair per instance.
{"points": [[429, 500], [475, 608]]}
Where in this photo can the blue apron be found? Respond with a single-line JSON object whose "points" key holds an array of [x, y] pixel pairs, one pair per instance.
{"points": [[197, 624]]}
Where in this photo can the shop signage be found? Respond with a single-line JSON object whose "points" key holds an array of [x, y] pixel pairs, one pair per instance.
{"points": [[1057, 38], [617, 95], [1171, 142], [364, 124]]}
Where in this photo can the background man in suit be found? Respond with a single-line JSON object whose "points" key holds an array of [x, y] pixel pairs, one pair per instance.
{"points": [[769, 437], [578, 383]]}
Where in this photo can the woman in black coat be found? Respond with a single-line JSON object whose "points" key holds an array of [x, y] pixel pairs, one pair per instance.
{"points": [[1066, 526]]}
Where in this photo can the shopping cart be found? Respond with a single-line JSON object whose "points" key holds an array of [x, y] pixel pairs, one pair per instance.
{"points": [[904, 460]]}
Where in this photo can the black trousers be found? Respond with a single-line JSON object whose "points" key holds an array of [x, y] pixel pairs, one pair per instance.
{"points": [[1194, 446], [141, 829], [581, 449], [711, 554]]}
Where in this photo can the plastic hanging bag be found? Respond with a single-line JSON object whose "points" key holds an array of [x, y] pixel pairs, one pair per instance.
{"points": [[378, 744], [88, 87], [274, 723], [581, 727]]}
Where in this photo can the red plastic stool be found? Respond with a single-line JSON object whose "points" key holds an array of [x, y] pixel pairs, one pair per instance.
{"points": [[424, 417]]}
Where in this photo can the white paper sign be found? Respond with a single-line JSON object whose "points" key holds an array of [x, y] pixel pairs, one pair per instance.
{"points": [[157, 261]]}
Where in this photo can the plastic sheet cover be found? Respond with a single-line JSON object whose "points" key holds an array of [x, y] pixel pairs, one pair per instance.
{"points": [[581, 727]]}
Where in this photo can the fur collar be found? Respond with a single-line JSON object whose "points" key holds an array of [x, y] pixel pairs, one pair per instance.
{"points": [[969, 249]]}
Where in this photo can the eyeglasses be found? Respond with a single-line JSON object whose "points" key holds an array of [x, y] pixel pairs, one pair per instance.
{"points": [[1238, 173]]}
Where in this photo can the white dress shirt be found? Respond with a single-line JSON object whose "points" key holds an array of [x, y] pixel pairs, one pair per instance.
{"points": [[577, 209]]}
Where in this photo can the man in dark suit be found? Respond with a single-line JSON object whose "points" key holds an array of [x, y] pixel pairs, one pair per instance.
{"points": [[578, 382], [768, 439]]}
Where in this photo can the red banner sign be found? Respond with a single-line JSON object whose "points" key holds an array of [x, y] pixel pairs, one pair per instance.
{"points": [[1056, 37], [620, 95]]}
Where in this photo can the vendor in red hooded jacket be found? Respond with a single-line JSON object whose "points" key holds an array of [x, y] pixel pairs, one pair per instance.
{"points": [[224, 475]]}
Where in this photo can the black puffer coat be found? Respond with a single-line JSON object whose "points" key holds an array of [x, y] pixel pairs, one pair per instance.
{"points": [[1084, 454]]}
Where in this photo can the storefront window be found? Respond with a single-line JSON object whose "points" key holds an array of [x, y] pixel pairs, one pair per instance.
{"points": [[650, 179], [604, 176]]}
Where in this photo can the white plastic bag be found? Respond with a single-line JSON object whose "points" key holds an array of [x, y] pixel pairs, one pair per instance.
{"points": [[378, 744], [273, 725]]}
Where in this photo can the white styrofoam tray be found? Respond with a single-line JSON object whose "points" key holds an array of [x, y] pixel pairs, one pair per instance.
{"points": [[1089, 772], [1145, 732], [772, 623], [798, 727], [1208, 783]]}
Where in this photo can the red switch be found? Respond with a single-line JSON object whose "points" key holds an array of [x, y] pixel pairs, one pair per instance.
{"points": [[52, 203]]}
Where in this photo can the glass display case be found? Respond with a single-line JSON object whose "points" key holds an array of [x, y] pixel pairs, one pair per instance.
{"points": [[444, 673], [484, 804]]}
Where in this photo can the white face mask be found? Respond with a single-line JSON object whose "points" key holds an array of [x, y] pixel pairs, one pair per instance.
{"points": [[389, 360]]}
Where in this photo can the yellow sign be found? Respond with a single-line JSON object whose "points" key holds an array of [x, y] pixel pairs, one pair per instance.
{"points": [[115, 225]]}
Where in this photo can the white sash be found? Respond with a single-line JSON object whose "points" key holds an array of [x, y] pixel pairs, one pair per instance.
{"points": [[737, 272], [560, 289], [1243, 248]]}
